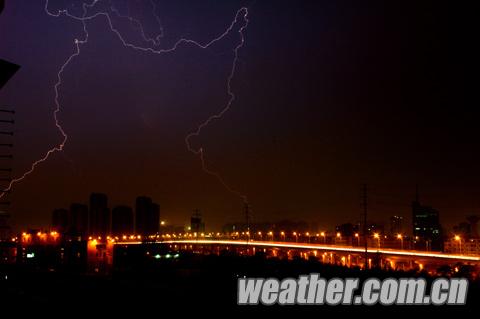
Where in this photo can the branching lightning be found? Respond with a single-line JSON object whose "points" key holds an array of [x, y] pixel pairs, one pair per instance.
{"points": [[154, 41], [241, 14], [219, 115]]}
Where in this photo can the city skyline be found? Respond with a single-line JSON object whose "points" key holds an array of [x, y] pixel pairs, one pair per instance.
{"points": [[424, 221], [368, 104], [236, 156]]}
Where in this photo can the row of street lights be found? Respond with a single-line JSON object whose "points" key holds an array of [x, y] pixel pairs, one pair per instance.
{"points": [[283, 236], [338, 236]]}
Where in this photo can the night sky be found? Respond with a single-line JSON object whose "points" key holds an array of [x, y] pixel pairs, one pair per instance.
{"points": [[329, 95]]}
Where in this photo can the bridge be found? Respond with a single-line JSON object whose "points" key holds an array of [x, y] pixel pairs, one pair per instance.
{"points": [[337, 254]]}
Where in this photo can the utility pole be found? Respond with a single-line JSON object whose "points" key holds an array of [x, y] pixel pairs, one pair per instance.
{"points": [[365, 235]]}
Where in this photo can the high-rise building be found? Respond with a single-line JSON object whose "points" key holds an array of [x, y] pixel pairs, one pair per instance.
{"points": [[396, 225], [4, 228], [375, 228], [426, 225], [122, 221], [60, 220], [147, 216], [196, 223], [142, 208], [78, 220], [99, 219], [347, 229]]}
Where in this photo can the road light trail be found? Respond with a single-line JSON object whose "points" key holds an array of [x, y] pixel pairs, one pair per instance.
{"points": [[408, 253]]}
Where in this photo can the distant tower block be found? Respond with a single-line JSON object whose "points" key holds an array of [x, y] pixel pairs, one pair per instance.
{"points": [[78, 220], [99, 215], [196, 223], [60, 220], [147, 216]]}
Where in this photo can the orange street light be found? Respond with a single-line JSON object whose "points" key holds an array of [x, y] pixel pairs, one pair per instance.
{"points": [[260, 235], [338, 236], [459, 239], [377, 236], [399, 236]]}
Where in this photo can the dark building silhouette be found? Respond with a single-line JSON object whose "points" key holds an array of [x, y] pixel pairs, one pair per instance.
{"points": [[8, 70], [396, 225], [463, 229], [196, 223], [78, 223], [99, 217], [142, 208], [426, 225], [375, 228], [147, 216], [473, 221], [60, 220], [347, 230], [468, 229], [4, 228], [122, 221]]}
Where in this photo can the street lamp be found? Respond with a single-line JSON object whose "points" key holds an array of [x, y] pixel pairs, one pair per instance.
{"points": [[459, 239], [377, 236], [296, 236], [399, 236], [357, 236], [324, 237], [308, 236], [260, 234], [339, 236], [271, 234], [416, 238], [282, 234]]}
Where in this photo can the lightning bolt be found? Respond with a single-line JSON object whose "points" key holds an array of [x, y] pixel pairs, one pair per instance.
{"points": [[61, 145], [241, 13], [199, 152], [154, 41]]}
